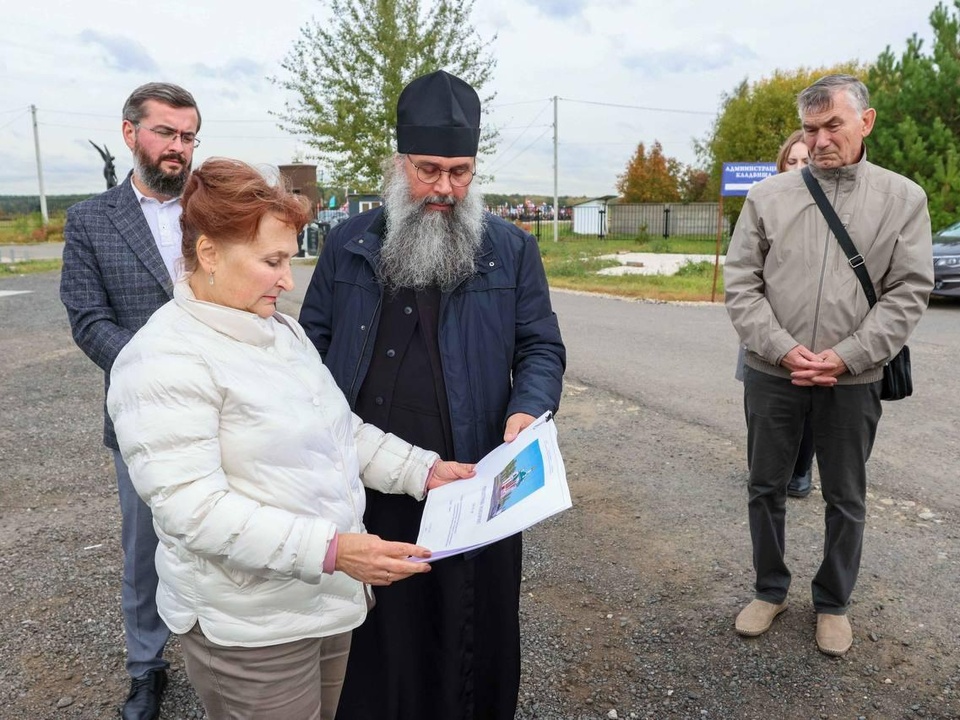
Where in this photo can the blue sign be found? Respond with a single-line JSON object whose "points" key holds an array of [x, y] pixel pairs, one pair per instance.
{"points": [[739, 177]]}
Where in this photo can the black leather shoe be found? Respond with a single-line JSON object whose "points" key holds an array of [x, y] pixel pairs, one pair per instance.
{"points": [[800, 485], [146, 691]]}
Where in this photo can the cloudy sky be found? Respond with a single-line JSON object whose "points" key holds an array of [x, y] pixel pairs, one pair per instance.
{"points": [[625, 71]]}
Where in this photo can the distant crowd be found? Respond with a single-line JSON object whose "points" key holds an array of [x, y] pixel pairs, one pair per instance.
{"points": [[528, 212]]}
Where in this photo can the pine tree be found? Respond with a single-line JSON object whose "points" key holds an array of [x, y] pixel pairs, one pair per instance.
{"points": [[917, 97]]}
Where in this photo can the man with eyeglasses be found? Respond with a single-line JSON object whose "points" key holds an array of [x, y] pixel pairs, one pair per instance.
{"points": [[121, 257], [434, 318], [816, 346]]}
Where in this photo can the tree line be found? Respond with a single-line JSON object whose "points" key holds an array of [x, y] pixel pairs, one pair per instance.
{"points": [[15, 205], [916, 94], [345, 73]]}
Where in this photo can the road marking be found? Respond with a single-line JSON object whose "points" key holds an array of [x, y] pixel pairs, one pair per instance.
{"points": [[4, 293]]}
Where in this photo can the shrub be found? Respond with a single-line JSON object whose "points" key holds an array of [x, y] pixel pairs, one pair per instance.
{"points": [[695, 269]]}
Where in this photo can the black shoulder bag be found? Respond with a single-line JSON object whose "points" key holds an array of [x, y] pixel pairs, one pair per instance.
{"points": [[897, 375]]}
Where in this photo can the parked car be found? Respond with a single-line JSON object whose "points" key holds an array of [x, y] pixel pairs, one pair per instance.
{"points": [[946, 262], [332, 217]]}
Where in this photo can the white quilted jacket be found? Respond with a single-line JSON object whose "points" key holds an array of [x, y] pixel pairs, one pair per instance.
{"points": [[245, 449]]}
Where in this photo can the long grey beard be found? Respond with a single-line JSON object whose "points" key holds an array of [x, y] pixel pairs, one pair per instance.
{"points": [[424, 248]]}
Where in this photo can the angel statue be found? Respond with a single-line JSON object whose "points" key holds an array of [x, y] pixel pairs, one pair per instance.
{"points": [[109, 171]]}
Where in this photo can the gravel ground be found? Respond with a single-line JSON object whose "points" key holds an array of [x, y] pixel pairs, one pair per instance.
{"points": [[628, 599]]}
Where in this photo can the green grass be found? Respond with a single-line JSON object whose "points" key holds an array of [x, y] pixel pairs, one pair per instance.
{"points": [[28, 267], [572, 263], [28, 229]]}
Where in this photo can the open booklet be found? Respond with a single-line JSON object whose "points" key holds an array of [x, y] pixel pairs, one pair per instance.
{"points": [[517, 485]]}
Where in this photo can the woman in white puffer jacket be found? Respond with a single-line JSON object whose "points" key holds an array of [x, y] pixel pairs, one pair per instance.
{"points": [[247, 453]]}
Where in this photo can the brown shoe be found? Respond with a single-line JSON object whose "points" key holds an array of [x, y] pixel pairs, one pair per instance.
{"points": [[757, 617], [834, 635]]}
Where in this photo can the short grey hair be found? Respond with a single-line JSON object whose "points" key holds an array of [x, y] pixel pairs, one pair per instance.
{"points": [[166, 93], [819, 96]]}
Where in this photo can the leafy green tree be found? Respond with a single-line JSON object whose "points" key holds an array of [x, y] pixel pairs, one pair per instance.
{"points": [[754, 120], [346, 74], [917, 97], [650, 177]]}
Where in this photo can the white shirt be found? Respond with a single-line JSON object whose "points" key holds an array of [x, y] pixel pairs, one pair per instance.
{"points": [[164, 221]]}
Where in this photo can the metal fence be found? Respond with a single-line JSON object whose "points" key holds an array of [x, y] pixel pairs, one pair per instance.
{"points": [[693, 220]]}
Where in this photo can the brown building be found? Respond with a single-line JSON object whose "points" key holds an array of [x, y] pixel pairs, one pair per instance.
{"points": [[301, 178]]}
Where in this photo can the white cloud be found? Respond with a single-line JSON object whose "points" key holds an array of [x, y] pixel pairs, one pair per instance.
{"points": [[238, 69], [120, 53], [561, 8], [709, 54]]}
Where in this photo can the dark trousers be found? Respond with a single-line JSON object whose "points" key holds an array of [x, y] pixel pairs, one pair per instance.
{"points": [[145, 631], [444, 645], [805, 455], [844, 421]]}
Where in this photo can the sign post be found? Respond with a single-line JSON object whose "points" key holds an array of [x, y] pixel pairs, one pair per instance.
{"points": [[736, 180]]}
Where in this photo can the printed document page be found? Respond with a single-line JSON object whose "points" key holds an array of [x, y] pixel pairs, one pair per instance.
{"points": [[516, 486]]}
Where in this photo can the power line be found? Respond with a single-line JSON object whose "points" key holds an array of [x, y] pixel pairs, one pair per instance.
{"points": [[11, 122], [632, 143], [525, 127], [271, 120], [503, 152], [72, 112], [519, 102], [250, 137], [76, 127], [28, 47], [520, 154], [19, 109], [116, 117], [639, 107], [592, 144], [206, 136]]}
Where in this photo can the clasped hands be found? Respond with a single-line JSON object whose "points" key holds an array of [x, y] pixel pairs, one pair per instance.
{"points": [[810, 369]]}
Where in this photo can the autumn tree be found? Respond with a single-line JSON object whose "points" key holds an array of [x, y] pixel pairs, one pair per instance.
{"points": [[346, 72], [693, 185], [650, 177], [916, 96]]}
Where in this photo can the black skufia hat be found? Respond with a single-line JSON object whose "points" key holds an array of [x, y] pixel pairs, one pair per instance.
{"points": [[438, 114]]}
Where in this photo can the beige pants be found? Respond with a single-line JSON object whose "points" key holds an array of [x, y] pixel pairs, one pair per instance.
{"points": [[294, 681]]}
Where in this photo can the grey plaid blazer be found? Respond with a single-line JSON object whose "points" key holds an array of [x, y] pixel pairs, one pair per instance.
{"points": [[113, 278]]}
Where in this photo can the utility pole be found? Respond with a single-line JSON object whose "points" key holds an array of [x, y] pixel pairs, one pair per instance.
{"points": [[556, 198], [36, 144]]}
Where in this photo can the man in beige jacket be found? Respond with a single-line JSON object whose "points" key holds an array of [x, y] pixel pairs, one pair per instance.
{"points": [[815, 346]]}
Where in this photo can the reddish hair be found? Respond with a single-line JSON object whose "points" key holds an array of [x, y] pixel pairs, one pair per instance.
{"points": [[226, 200]]}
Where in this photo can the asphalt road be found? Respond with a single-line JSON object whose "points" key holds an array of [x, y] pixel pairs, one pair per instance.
{"points": [[679, 360], [628, 598]]}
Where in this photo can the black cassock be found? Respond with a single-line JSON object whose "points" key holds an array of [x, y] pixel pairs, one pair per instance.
{"points": [[442, 645]]}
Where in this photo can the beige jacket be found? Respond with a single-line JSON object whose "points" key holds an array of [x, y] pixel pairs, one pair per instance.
{"points": [[789, 283]]}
